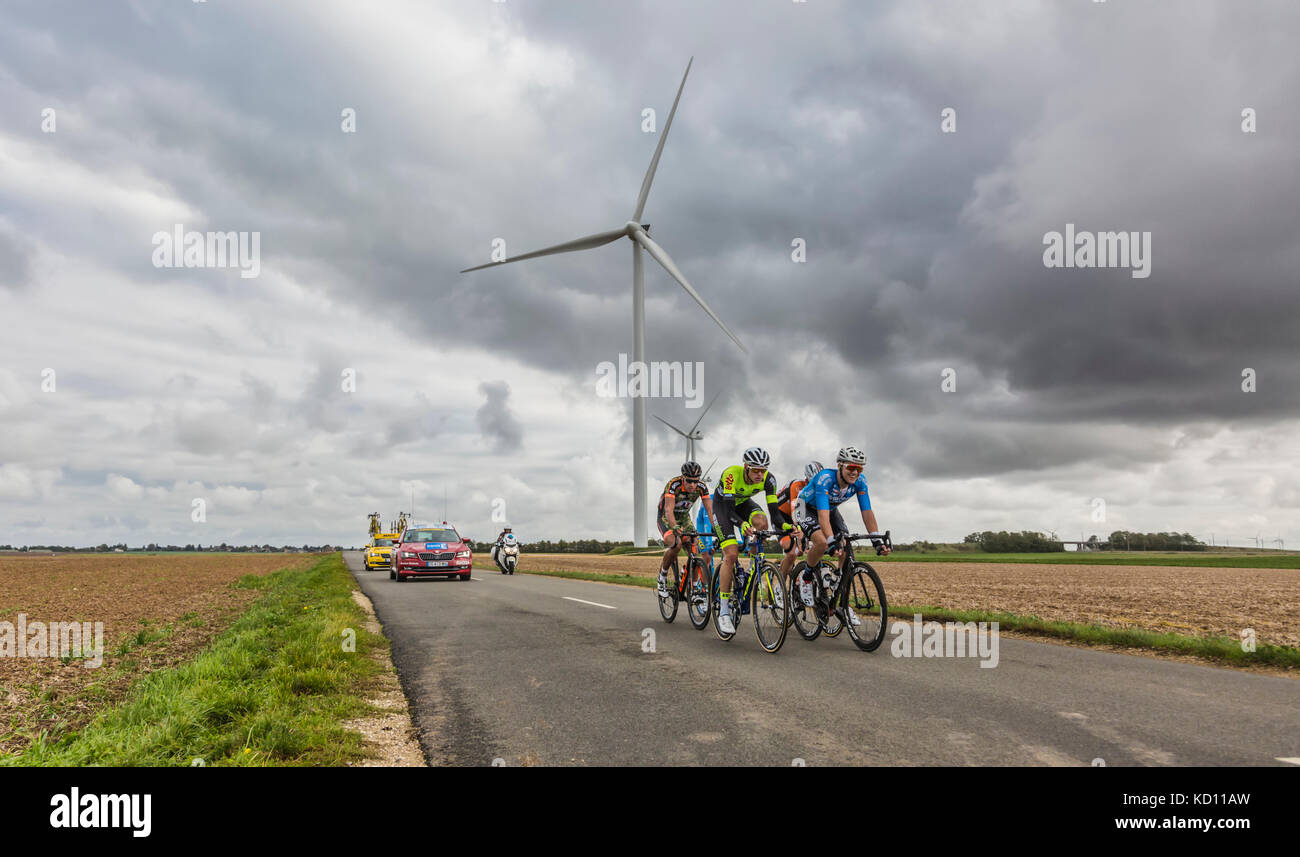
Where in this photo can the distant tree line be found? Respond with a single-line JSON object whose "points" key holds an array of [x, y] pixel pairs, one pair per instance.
{"points": [[1022, 542], [1120, 540], [1124, 540]]}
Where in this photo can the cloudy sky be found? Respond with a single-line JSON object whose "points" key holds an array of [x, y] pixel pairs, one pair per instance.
{"points": [[523, 121]]}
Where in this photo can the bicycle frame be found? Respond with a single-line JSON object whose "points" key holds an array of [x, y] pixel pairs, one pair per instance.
{"points": [[847, 560], [754, 553]]}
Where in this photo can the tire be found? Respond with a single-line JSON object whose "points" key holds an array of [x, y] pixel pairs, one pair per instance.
{"points": [[865, 595], [804, 619], [668, 605], [715, 608], [769, 605], [464, 577], [400, 577], [832, 626], [697, 593], [392, 574]]}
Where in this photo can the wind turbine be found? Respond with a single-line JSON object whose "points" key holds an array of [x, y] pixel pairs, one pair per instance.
{"points": [[694, 434], [639, 234]]}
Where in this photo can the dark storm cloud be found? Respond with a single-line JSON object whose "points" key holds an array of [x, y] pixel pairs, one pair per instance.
{"points": [[495, 419]]}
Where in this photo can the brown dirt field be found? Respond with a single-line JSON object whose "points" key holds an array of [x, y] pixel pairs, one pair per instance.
{"points": [[191, 593], [1192, 601]]}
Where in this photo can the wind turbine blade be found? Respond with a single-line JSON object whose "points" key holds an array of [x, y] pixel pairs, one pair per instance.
{"points": [[659, 149], [670, 425], [706, 410], [662, 257], [706, 473], [597, 240]]}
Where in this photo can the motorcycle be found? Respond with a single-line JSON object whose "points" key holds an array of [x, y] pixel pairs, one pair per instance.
{"points": [[505, 554]]}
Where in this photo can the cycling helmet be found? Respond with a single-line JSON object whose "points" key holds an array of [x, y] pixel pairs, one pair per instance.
{"points": [[813, 468], [851, 455], [757, 457], [691, 470]]}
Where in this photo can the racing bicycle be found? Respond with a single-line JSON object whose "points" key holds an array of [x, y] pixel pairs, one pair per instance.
{"points": [[759, 591], [691, 587], [850, 596]]}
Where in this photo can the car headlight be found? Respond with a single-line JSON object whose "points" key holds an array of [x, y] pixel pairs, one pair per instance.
{"points": [[463, 555]]}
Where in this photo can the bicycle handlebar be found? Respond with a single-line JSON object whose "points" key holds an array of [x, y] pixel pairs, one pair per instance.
{"points": [[879, 541]]}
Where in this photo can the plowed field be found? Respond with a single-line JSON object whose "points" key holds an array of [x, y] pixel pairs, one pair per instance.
{"points": [[155, 610]]}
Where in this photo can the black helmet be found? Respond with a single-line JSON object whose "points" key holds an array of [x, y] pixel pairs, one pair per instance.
{"points": [[691, 470]]}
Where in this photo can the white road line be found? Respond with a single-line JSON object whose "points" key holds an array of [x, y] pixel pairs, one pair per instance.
{"points": [[592, 603], [1292, 760]]}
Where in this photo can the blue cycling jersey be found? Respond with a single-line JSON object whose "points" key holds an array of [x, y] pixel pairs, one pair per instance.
{"points": [[704, 525], [823, 491]]}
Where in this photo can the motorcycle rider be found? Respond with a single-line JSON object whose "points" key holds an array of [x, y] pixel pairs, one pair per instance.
{"points": [[501, 540]]}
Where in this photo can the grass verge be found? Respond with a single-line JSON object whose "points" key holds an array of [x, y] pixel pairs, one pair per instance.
{"points": [[271, 690], [1222, 650]]}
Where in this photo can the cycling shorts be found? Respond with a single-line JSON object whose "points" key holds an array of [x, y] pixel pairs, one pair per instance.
{"points": [[805, 518]]}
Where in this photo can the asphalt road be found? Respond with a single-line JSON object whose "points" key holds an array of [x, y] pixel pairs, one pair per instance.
{"points": [[541, 670]]}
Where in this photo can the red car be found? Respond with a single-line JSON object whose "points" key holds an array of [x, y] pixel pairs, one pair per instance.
{"points": [[428, 551]]}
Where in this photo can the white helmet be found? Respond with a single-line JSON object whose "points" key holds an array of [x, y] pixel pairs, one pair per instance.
{"points": [[813, 468], [851, 455], [756, 457]]}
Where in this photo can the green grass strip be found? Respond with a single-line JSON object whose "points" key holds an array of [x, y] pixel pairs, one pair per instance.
{"points": [[271, 690], [1223, 649], [1220, 649]]}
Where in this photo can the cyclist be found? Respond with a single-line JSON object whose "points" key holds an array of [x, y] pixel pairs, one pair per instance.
{"points": [[707, 541], [785, 506], [674, 512], [739, 509], [814, 508]]}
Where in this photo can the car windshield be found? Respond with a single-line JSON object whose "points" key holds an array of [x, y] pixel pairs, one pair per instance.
{"points": [[383, 543], [430, 536]]}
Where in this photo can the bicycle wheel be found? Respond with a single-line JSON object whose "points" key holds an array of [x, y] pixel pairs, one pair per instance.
{"points": [[803, 617], [769, 603], [864, 600], [697, 593], [715, 607], [832, 626], [668, 604]]}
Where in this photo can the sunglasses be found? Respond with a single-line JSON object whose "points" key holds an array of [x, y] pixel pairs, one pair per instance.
{"points": [[852, 468]]}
